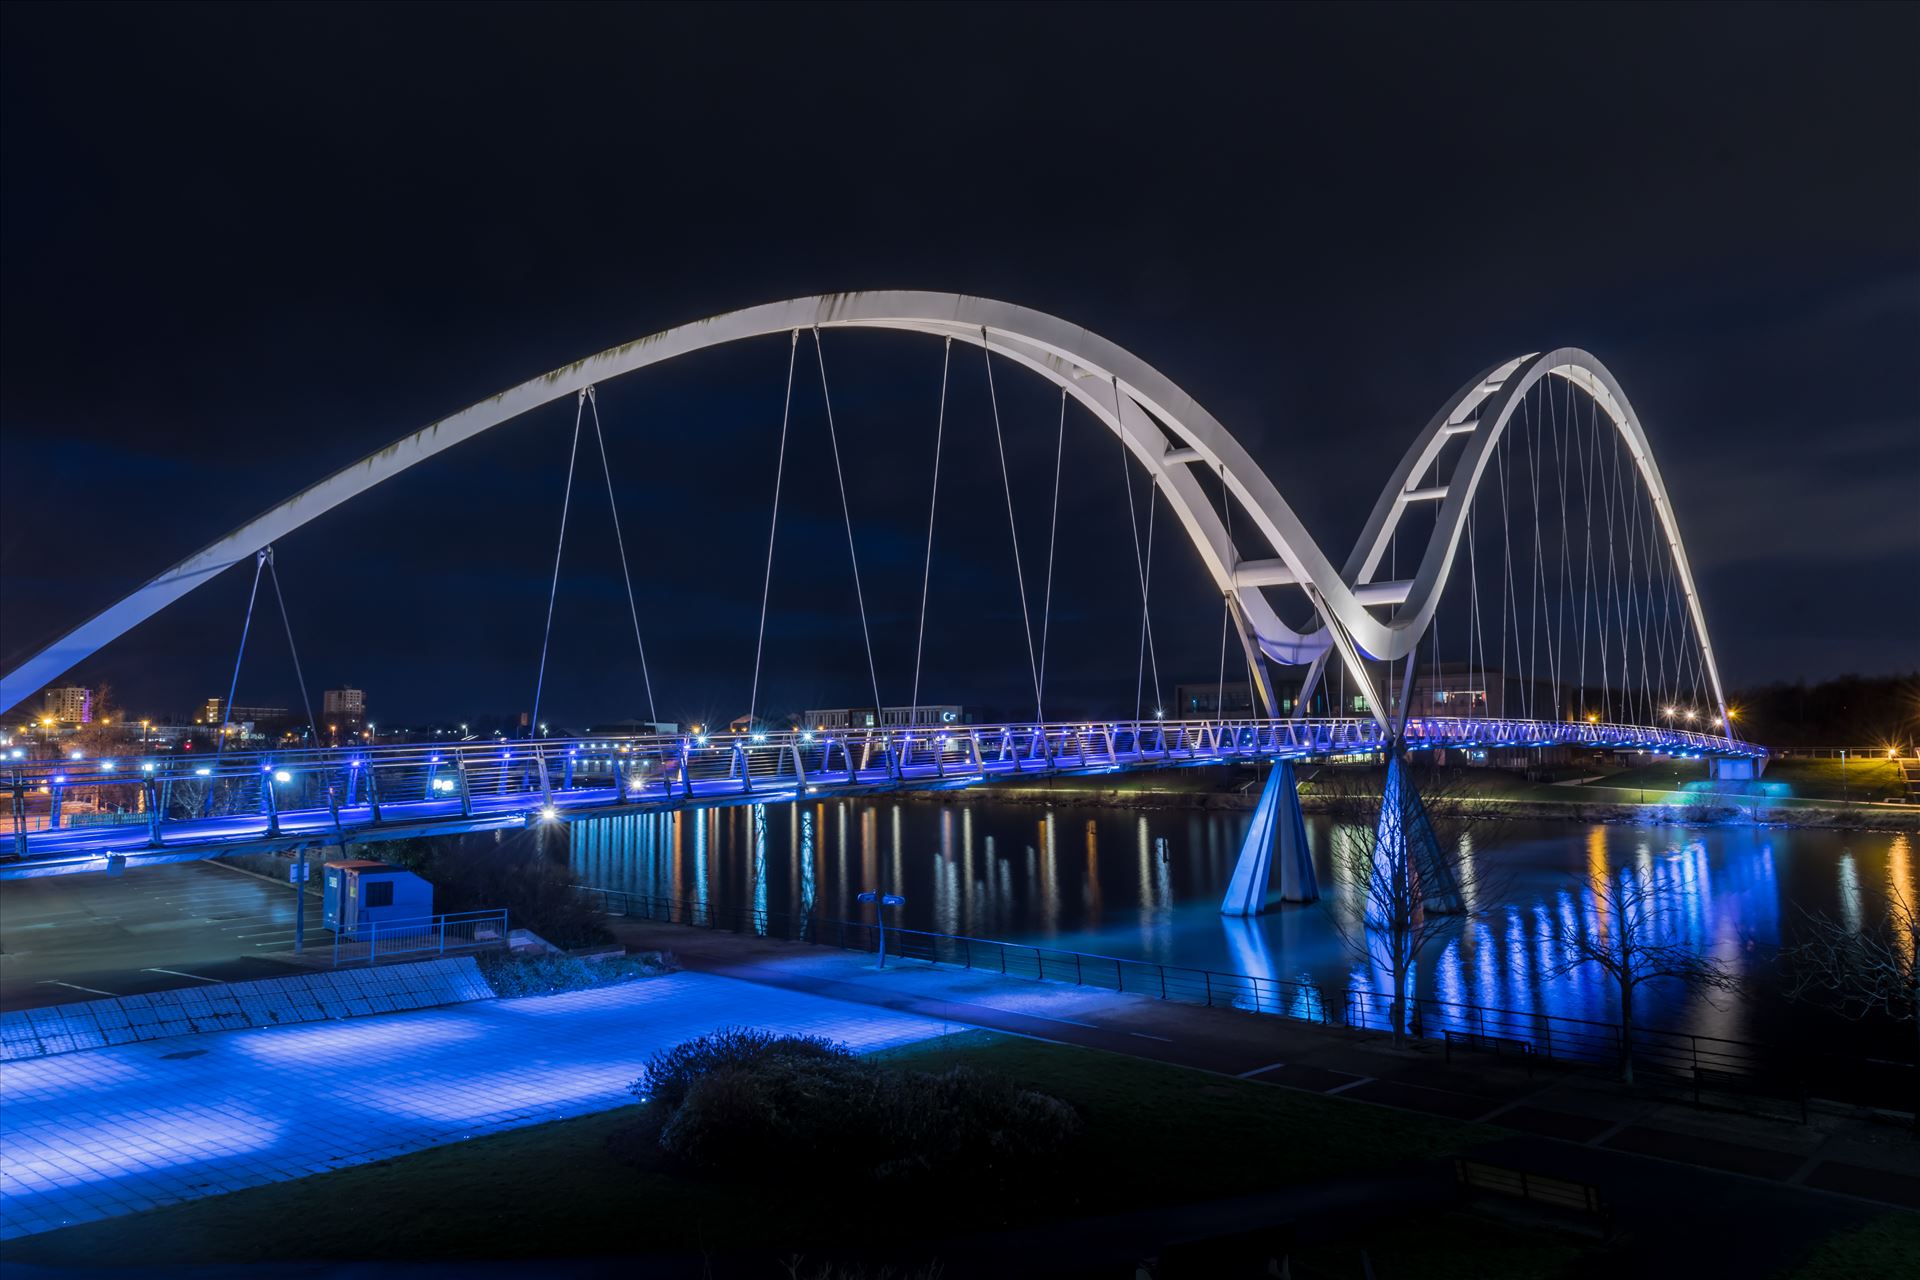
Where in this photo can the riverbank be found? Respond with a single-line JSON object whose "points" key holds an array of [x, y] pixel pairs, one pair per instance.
{"points": [[1522, 800]]}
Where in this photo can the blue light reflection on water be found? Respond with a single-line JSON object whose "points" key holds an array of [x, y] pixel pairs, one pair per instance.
{"points": [[1147, 884]]}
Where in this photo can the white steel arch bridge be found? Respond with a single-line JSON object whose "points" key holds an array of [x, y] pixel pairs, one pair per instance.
{"points": [[1290, 603]]}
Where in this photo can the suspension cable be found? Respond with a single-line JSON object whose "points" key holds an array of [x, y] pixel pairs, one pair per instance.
{"points": [[233, 686], [1013, 530], [846, 510], [313, 727], [933, 504], [1053, 533], [1148, 649], [1142, 562], [633, 608], [773, 527], [566, 502], [1226, 605]]}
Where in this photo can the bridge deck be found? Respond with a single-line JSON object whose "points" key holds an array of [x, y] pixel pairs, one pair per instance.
{"points": [[178, 808]]}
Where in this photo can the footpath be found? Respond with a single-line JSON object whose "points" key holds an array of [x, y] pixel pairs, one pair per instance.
{"points": [[1577, 1115], [106, 1131]]}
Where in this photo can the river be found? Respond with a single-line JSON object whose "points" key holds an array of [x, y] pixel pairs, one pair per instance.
{"points": [[1146, 884]]}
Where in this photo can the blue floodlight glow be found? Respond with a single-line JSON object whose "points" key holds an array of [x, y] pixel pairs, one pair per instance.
{"points": [[59, 777]]}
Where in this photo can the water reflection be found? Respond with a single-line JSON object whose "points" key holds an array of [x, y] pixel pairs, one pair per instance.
{"points": [[1038, 876]]}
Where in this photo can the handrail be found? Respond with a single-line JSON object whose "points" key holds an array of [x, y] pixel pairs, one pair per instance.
{"points": [[197, 802], [416, 934], [1177, 739]]}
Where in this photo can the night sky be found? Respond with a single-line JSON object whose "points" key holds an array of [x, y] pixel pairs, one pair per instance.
{"points": [[245, 245]]}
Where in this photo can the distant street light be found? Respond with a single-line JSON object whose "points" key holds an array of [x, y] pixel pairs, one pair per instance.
{"points": [[884, 900]]}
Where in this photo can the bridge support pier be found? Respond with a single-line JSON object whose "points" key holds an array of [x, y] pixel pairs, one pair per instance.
{"points": [[1408, 866], [1278, 834]]}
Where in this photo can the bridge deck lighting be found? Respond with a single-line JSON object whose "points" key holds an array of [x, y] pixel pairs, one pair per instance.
{"points": [[202, 772], [549, 813], [281, 775]]}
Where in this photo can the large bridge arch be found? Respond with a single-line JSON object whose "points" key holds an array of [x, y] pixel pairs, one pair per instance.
{"points": [[1135, 400]]}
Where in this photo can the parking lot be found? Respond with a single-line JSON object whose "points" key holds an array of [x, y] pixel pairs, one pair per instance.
{"points": [[82, 937]]}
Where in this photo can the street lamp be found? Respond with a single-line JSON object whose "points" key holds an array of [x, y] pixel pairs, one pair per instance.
{"points": [[883, 901]]}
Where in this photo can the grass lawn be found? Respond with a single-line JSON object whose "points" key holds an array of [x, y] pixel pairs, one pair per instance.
{"points": [[1862, 780], [1887, 1246], [1155, 1134], [1444, 1245]]}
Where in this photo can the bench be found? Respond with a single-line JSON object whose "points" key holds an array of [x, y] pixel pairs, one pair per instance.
{"points": [[1778, 1088], [1498, 1046], [1558, 1198]]}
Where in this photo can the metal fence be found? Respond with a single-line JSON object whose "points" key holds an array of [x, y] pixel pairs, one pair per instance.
{"points": [[425, 935], [1660, 1057]]}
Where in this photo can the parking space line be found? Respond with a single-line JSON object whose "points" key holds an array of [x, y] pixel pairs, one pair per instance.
{"points": [[176, 973], [55, 982]]}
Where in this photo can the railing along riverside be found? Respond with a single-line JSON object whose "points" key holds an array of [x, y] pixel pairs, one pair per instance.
{"points": [[1661, 1057]]}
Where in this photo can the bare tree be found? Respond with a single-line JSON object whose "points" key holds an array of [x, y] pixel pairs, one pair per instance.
{"points": [[1633, 935], [1410, 851], [1860, 972]]}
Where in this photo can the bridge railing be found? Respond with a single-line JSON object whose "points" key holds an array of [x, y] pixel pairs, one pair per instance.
{"points": [[247, 793], [1661, 1056]]}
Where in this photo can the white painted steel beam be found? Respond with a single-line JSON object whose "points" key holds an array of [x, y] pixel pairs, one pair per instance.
{"points": [[1135, 400]]}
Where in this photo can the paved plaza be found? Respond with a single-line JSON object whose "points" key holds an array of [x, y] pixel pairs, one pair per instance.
{"points": [[110, 1131]]}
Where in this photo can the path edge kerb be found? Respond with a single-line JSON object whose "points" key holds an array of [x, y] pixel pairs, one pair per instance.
{"points": [[238, 1006]]}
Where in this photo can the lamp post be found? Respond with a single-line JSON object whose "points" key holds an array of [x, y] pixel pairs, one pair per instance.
{"points": [[881, 902]]}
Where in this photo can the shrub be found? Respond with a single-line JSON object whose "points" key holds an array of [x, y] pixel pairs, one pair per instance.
{"points": [[671, 1072], [743, 1101], [530, 975]]}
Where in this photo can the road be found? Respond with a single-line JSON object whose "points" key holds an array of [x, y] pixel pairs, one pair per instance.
{"points": [[68, 938]]}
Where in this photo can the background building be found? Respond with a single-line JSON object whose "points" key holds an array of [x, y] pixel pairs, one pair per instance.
{"points": [[70, 704], [344, 707]]}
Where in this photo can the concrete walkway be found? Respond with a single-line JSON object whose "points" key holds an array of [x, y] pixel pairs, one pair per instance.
{"points": [[91, 1135], [1836, 1152]]}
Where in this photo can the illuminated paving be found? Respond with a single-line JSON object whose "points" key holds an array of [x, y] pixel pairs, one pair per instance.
{"points": [[111, 1131]]}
